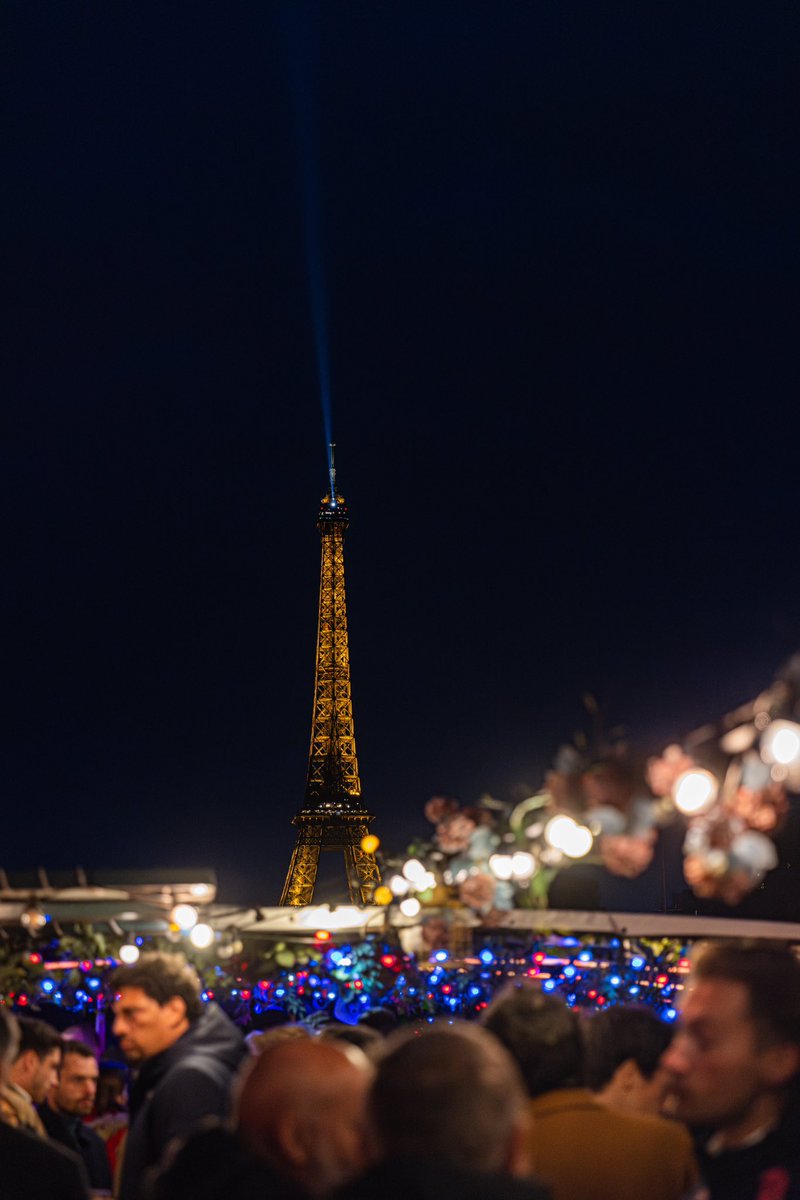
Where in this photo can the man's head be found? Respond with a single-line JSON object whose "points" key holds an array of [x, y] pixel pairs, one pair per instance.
{"points": [[155, 1001], [737, 1049], [9, 1042], [75, 1091], [301, 1106], [624, 1045], [450, 1095], [541, 1034], [35, 1067]]}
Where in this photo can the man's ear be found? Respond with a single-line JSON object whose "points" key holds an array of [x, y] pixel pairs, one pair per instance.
{"points": [[26, 1062], [176, 1007], [518, 1161], [781, 1063], [627, 1076]]}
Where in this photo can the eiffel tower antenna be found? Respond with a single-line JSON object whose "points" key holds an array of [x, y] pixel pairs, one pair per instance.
{"points": [[332, 472], [333, 816]]}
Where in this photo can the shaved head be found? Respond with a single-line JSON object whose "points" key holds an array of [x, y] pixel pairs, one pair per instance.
{"points": [[301, 1105]]}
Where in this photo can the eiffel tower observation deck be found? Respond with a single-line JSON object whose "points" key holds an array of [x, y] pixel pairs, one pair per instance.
{"points": [[333, 816]]}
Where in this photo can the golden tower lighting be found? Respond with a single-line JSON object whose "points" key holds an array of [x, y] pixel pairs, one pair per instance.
{"points": [[333, 816]]}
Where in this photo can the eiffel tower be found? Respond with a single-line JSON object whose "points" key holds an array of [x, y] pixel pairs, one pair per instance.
{"points": [[333, 816]]}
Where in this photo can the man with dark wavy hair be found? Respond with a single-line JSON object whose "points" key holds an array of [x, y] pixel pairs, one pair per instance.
{"points": [[30, 1167], [187, 1054], [734, 1069]]}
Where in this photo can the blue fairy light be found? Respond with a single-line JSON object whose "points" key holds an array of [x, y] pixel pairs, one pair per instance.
{"points": [[615, 981], [440, 956], [486, 957], [569, 972], [670, 1014], [48, 986], [549, 985], [633, 990], [637, 962], [94, 983], [584, 956]]}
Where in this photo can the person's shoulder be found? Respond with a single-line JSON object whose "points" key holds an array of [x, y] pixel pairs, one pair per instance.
{"points": [[27, 1156], [658, 1130]]}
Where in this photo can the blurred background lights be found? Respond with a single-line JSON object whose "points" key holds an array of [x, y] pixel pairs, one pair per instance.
{"points": [[33, 918], [565, 834], [128, 953], [410, 907], [184, 916], [398, 885], [383, 895], [695, 791], [201, 936], [370, 843], [523, 865], [415, 872], [780, 743], [501, 866]]}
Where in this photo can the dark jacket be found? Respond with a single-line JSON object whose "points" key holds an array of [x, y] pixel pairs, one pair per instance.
{"points": [[401, 1178], [176, 1089], [769, 1170], [33, 1169], [81, 1140], [214, 1165]]}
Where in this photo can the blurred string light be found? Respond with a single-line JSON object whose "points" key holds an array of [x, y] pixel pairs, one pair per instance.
{"points": [[565, 834], [201, 936], [780, 743], [183, 917], [129, 953], [695, 792], [347, 980]]}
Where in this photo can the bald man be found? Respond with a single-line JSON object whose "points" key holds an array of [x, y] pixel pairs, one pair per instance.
{"points": [[298, 1129]]}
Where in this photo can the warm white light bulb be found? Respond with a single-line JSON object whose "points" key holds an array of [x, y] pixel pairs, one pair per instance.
{"points": [[398, 885], [128, 953], [201, 936], [410, 907], [780, 743], [577, 842], [695, 792], [523, 865], [415, 872], [501, 866], [558, 829], [184, 916]]}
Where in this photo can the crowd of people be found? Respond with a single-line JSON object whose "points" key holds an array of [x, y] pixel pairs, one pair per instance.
{"points": [[533, 1101]]}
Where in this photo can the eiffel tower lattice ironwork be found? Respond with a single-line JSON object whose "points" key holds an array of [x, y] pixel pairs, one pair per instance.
{"points": [[333, 816]]}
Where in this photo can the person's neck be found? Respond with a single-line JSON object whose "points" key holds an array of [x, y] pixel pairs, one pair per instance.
{"points": [[20, 1088], [763, 1115]]}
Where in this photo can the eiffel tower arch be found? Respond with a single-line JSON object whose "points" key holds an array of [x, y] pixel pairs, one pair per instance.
{"points": [[333, 816]]}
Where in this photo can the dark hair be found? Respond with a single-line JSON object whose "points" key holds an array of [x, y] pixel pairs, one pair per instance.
{"points": [[449, 1095], [111, 1084], [37, 1036], [771, 975], [9, 1037], [74, 1046], [541, 1033], [613, 1036], [162, 976]]}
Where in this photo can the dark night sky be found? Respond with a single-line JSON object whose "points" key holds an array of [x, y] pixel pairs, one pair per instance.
{"points": [[558, 245]]}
